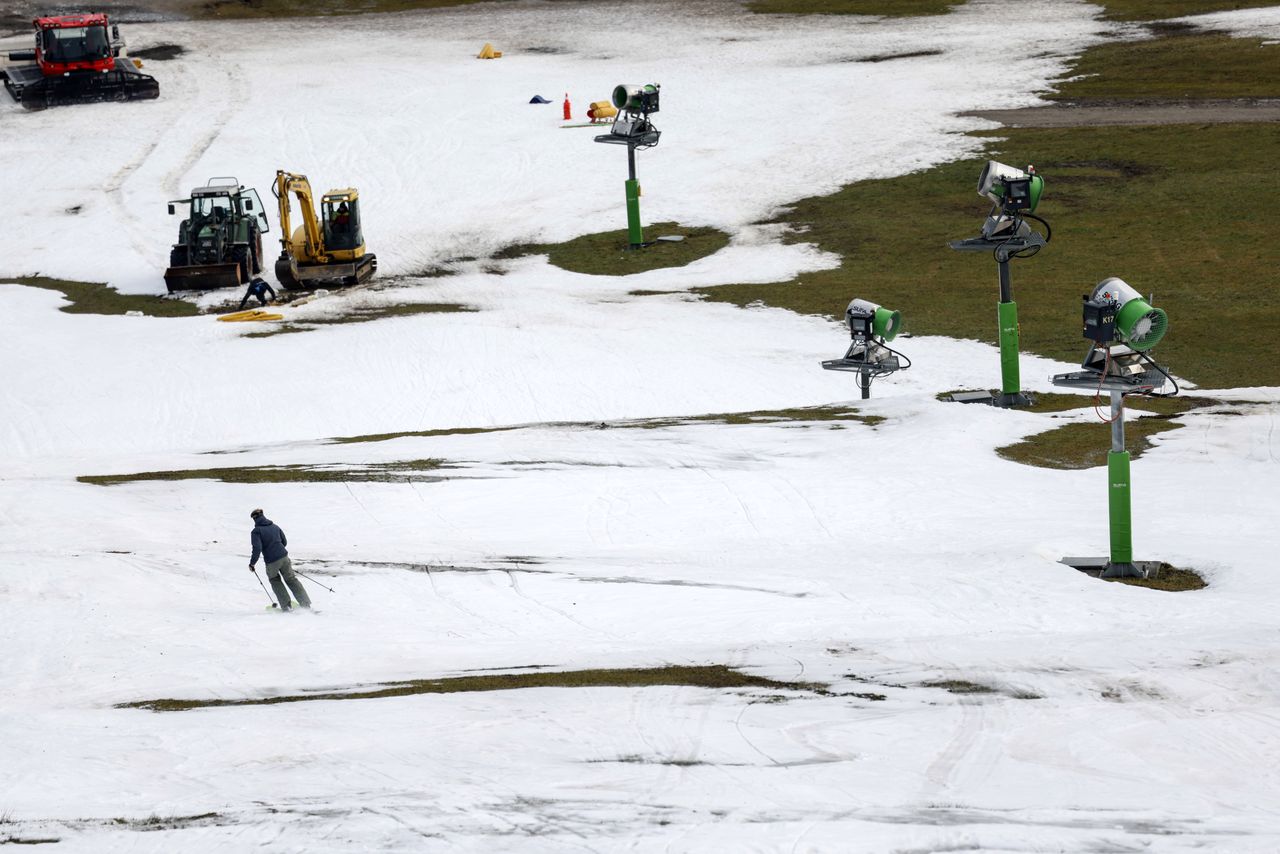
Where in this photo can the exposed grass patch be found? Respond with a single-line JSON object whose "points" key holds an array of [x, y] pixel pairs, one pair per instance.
{"points": [[883, 8], [278, 329], [448, 431], [1147, 10], [172, 822], [798, 414], [97, 298], [1085, 445], [1168, 578], [960, 686], [362, 314], [315, 8], [606, 253], [1179, 65], [29, 840], [1159, 206], [365, 314], [398, 472], [715, 676], [801, 414], [886, 57], [1051, 402], [1056, 402]]}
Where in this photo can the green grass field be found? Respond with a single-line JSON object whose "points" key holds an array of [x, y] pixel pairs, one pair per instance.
{"points": [[607, 254], [96, 298], [715, 676], [1179, 65], [1117, 10], [1175, 211], [887, 8], [1120, 10]]}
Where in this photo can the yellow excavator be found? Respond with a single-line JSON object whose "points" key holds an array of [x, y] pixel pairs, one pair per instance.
{"points": [[328, 249]]}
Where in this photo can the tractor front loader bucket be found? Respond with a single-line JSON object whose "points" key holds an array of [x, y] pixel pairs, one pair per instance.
{"points": [[203, 277]]}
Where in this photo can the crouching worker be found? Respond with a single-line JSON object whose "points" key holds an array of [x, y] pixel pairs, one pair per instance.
{"points": [[257, 288], [269, 541]]}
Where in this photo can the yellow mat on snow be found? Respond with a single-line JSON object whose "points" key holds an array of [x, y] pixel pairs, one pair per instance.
{"points": [[252, 314], [487, 52]]}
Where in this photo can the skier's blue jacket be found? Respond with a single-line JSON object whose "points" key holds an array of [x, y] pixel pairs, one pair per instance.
{"points": [[268, 540]]}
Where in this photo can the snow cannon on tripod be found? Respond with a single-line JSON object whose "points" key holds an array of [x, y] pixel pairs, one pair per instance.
{"points": [[1121, 327], [632, 127], [1014, 195], [871, 327]]}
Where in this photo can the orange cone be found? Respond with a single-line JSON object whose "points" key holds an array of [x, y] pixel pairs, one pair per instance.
{"points": [[568, 111]]}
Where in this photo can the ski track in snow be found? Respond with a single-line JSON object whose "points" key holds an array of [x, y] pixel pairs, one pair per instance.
{"points": [[867, 560]]}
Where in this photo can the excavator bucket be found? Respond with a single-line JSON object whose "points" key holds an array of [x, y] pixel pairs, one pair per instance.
{"points": [[203, 277]]}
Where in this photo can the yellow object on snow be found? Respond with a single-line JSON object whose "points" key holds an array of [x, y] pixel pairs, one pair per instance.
{"points": [[251, 314], [487, 52], [601, 110]]}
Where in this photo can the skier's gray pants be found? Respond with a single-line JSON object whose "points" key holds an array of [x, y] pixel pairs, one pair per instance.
{"points": [[280, 573]]}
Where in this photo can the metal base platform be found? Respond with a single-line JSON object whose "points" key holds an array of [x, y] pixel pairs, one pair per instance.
{"points": [[885, 366], [993, 398], [1009, 246], [1101, 567], [640, 140]]}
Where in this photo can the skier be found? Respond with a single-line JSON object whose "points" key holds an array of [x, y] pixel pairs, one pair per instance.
{"points": [[257, 288], [269, 541]]}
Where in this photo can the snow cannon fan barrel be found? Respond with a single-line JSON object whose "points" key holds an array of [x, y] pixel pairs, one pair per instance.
{"points": [[1010, 188], [1138, 323], [868, 319], [635, 98]]}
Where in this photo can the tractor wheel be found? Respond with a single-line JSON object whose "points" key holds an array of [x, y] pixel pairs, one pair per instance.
{"points": [[178, 257]]}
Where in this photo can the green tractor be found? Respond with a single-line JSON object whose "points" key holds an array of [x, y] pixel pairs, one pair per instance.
{"points": [[220, 242]]}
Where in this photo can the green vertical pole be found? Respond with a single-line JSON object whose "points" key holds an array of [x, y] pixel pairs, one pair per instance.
{"points": [[1010, 378], [634, 234], [1119, 504]]}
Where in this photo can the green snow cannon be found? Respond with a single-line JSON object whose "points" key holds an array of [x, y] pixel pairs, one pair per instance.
{"points": [[1139, 324], [872, 320], [1009, 188], [633, 98]]}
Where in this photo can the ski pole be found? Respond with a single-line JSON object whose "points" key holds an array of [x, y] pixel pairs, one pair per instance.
{"points": [[264, 587], [312, 580]]}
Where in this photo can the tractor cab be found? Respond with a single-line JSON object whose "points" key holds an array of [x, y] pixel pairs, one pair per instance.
{"points": [[223, 200], [340, 213], [75, 43]]}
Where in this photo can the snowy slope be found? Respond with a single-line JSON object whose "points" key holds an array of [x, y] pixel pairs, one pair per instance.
{"points": [[871, 559]]}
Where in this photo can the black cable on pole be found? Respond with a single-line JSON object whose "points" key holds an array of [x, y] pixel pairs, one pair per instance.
{"points": [[1167, 376]]}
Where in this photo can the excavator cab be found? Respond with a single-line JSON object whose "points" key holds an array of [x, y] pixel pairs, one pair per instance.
{"points": [[340, 210]]}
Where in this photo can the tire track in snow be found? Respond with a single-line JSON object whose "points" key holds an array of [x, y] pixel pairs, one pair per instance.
{"points": [[232, 95], [515, 587], [227, 97], [970, 755]]}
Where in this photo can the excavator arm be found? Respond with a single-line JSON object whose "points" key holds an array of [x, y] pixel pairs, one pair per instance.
{"points": [[298, 185]]}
